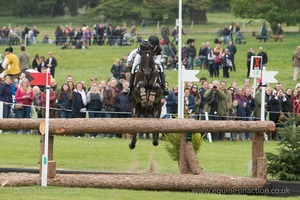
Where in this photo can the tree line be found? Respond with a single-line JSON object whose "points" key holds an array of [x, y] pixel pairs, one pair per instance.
{"points": [[273, 11]]}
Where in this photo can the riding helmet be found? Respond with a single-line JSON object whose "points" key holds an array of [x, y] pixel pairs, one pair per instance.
{"points": [[154, 40]]}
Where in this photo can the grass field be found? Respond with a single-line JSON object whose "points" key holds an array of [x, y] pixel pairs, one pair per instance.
{"points": [[113, 155]]}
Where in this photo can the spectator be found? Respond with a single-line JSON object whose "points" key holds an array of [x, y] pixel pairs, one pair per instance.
{"points": [[250, 107], [23, 59], [42, 63], [6, 96], [264, 56], [51, 105], [191, 52], [94, 104], [257, 111], [115, 69], [37, 101], [295, 102], [241, 110], [232, 113], [203, 56], [144, 25], [189, 102], [226, 34], [249, 55], [10, 64], [123, 104], [175, 106], [64, 101], [110, 99], [24, 97], [171, 101], [79, 103], [232, 50], [227, 63], [56, 89], [217, 59], [296, 59], [279, 33], [277, 104], [215, 109], [195, 93], [264, 31], [36, 62], [71, 85], [51, 63], [202, 90], [211, 65], [247, 83]]}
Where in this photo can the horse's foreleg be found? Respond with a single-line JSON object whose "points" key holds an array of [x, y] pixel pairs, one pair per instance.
{"points": [[143, 96], [152, 97], [153, 93], [133, 141], [155, 139]]}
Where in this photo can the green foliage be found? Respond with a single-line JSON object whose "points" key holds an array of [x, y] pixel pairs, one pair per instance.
{"points": [[286, 164], [278, 11], [172, 144]]}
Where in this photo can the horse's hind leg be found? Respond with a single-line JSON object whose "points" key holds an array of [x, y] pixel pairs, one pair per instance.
{"points": [[155, 139], [133, 141]]}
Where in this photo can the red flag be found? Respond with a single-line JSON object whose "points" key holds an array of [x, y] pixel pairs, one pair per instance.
{"points": [[36, 78]]}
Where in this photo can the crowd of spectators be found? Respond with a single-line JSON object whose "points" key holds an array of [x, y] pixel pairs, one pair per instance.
{"points": [[111, 98], [100, 34], [10, 36]]}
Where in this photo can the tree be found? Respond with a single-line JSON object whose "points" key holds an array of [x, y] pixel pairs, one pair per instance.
{"points": [[274, 11], [286, 164], [194, 10]]}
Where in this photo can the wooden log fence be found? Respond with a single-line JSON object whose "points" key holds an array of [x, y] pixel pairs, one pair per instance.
{"points": [[130, 125]]}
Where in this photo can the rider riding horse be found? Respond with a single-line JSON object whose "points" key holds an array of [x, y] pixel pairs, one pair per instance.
{"points": [[146, 91]]}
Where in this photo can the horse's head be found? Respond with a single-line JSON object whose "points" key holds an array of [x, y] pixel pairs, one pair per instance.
{"points": [[147, 60]]}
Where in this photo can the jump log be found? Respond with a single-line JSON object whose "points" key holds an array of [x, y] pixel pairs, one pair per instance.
{"points": [[170, 182], [130, 125]]}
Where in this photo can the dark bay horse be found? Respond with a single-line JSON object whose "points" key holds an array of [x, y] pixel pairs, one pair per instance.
{"points": [[146, 92]]}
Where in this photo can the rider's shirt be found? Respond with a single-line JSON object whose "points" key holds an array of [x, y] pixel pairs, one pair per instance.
{"points": [[11, 64]]}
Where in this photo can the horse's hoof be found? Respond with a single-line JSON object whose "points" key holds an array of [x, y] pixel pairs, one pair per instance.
{"points": [[131, 146], [155, 142]]}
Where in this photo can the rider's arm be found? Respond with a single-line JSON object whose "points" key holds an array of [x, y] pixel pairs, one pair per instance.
{"points": [[4, 63], [158, 59], [132, 55]]}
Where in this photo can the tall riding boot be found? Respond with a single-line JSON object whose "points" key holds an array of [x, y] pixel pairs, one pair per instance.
{"points": [[163, 81], [131, 81], [163, 84]]}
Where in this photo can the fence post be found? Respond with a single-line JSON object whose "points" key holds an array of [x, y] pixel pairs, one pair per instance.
{"points": [[257, 151], [157, 26]]}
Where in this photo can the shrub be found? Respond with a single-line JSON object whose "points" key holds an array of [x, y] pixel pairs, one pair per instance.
{"points": [[286, 164], [172, 142]]}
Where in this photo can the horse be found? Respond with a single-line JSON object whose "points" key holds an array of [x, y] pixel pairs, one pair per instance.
{"points": [[146, 91]]}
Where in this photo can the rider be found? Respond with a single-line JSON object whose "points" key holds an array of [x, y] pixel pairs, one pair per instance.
{"points": [[11, 64], [156, 48]]}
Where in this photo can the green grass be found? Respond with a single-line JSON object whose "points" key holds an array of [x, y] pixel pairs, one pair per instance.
{"points": [[113, 194], [71, 193], [113, 155]]}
